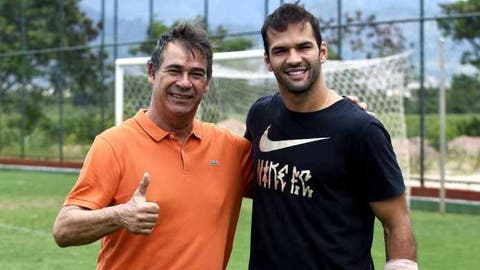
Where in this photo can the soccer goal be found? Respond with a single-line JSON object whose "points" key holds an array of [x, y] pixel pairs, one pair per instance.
{"points": [[240, 78]]}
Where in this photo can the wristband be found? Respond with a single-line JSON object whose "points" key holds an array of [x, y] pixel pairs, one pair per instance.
{"points": [[401, 264]]}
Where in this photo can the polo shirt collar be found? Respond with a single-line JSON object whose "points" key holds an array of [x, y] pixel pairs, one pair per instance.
{"points": [[157, 133]]}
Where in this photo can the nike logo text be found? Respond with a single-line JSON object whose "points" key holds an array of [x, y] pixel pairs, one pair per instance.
{"points": [[267, 145]]}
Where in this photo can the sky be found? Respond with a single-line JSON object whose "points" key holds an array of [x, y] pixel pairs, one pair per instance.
{"points": [[247, 16], [251, 12]]}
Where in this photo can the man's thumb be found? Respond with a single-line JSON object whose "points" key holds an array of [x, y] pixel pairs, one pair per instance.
{"points": [[142, 187]]}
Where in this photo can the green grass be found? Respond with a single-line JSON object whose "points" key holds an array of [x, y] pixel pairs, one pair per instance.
{"points": [[29, 202]]}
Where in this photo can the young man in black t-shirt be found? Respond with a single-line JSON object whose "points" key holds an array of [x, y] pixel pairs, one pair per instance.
{"points": [[324, 168]]}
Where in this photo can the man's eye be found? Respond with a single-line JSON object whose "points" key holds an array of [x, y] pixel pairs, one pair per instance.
{"points": [[278, 51], [173, 72], [197, 75]]}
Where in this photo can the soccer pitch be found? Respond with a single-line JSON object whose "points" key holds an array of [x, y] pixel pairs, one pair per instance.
{"points": [[29, 202]]}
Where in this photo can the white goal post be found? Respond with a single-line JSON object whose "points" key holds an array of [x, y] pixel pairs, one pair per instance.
{"points": [[122, 63], [240, 78]]}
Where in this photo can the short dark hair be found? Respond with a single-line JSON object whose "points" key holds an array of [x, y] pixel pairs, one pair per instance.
{"points": [[286, 14], [192, 37]]}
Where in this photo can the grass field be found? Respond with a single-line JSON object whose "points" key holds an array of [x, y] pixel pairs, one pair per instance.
{"points": [[29, 202]]}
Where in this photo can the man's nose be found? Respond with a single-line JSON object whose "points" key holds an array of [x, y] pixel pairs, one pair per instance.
{"points": [[184, 80], [293, 57]]}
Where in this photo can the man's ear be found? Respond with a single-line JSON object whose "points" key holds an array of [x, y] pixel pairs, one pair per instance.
{"points": [[323, 52], [151, 72], [267, 62]]}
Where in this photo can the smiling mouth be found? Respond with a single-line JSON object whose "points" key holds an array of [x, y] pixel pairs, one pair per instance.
{"points": [[296, 73], [180, 96]]}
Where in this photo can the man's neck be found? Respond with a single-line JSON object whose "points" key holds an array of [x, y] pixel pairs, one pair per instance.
{"points": [[313, 100], [181, 126]]}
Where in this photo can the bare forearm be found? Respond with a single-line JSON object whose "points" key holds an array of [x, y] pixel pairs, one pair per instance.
{"points": [[395, 218], [400, 243], [76, 226]]}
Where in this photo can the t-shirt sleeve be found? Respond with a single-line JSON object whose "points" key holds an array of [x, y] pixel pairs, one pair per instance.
{"points": [[377, 164], [98, 178], [254, 110], [246, 166], [247, 134]]}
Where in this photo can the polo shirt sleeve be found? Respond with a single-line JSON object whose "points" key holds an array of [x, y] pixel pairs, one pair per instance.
{"points": [[379, 173], [98, 178]]}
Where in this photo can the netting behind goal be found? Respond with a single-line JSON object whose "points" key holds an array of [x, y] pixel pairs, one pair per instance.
{"points": [[240, 78]]}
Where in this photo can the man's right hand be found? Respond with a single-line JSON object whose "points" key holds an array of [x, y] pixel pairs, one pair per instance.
{"points": [[140, 216]]}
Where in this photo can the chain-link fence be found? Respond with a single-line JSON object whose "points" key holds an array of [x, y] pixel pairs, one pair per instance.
{"points": [[57, 59], [241, 78]]}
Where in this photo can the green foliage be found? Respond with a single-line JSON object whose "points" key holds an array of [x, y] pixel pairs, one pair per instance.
{"points": [[154, 31], [412, 104], [455, 126], [222, 43], [45, 29], [80, 125], [10, 135], [464, 95], [28, 83], [470, 127], [463, 29], [220, 39], [12, 122], [463, 107]]}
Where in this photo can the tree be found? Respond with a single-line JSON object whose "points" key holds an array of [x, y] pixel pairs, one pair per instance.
{"points": [[28, 81], [412, 106], [463, 29], [223, 43], [154, 31], [43, 30], [364, 35], [221, 40], [464, 95]]}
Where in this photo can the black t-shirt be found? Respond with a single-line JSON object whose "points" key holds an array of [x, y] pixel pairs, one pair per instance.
{"points": [[315, 176]]}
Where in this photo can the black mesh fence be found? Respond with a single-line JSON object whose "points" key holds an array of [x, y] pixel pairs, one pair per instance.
{"points": [[57, 57]]}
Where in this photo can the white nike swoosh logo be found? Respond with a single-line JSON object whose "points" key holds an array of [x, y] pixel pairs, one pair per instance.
{"points": [[267, 145]]}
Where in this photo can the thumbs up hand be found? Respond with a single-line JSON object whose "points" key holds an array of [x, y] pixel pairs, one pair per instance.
{"points": [[139, 215]]}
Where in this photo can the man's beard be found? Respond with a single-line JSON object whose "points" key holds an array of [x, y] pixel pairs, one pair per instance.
{"points": [[298, 88]]}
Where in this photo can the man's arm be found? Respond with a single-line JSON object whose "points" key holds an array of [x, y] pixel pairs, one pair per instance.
{"points": [[394, 216], [400, 243], [76, 225]]}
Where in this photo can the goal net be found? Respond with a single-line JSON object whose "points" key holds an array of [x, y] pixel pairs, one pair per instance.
{"points": [[240, 78]]}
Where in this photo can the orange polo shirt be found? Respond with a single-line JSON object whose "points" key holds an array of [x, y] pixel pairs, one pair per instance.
{"points": [[198, 186]]}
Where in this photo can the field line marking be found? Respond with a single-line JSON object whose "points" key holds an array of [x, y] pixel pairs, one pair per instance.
{"points": [[40, 168], [9, 227]]}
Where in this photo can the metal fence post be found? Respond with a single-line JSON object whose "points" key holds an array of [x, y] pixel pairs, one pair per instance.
{"points": [[441, 111], [61, 81], [24, 84], [102, 68], [422, 94]]}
